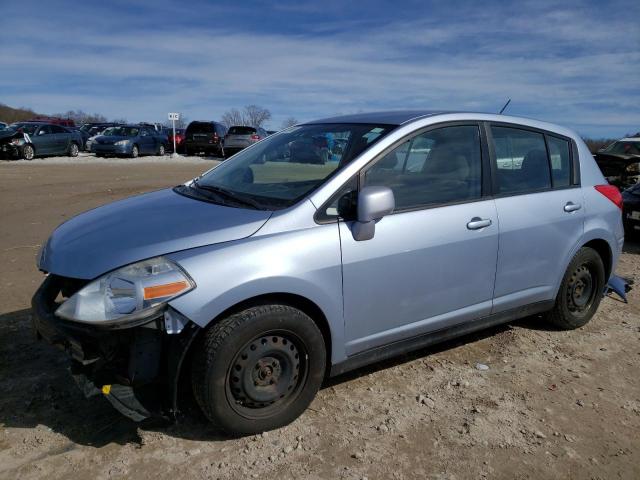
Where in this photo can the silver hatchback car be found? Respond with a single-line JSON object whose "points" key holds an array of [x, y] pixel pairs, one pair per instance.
{"points": [[270, 272]]}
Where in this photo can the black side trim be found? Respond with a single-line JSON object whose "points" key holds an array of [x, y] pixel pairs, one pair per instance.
{"points": [[415, 343]]}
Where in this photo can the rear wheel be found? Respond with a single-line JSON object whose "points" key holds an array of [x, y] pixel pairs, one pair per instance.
{"points": [[28, 153], [161, 150], [581, 290], [74, 149], [258, 369]]}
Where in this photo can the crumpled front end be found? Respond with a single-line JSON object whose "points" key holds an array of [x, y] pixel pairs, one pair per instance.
{"points": [[11, 144], [136, 369]]}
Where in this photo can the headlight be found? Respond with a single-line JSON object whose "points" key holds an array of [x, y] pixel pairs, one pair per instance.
{"points": [[122, 142], [128, 294]]}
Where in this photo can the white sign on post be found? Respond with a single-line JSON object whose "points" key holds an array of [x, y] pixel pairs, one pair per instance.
{"points": [[173, 116]]}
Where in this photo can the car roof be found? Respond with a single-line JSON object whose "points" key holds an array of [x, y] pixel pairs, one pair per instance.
{"points": [[403, 117], [629, 139], [393, 117]]}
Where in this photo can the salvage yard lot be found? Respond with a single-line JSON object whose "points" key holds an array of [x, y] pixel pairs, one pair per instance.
{"points": [[551, 405]]}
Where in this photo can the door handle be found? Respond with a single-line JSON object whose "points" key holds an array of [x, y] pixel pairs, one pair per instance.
{"points": [[477, 223], [572, 207]]}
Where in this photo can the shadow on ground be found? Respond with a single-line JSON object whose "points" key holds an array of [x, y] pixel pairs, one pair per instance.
{"points": [[39, 390]]}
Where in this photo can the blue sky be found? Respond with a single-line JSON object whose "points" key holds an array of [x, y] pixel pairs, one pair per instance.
{"points": [[568, 62]]}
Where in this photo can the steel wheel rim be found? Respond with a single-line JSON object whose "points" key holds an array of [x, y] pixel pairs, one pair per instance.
{"points": [[267, 374], [74, 150], [582, 289], [134, 151]]}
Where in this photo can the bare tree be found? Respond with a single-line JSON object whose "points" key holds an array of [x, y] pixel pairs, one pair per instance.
{"points": [[256, 116], [289, 122], [252, 116], [232, 117], [119, 120], [80, 117]]}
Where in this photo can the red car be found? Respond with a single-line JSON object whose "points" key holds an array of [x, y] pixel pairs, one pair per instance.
{"points": [[65, 122], [179, 140]]}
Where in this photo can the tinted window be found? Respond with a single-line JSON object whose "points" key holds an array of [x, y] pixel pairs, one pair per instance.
{"points": [[560, 161], [242, 131], [200, 127], [623, 147], [521, 158], [44, 130], [58, 129], [435, 167]]}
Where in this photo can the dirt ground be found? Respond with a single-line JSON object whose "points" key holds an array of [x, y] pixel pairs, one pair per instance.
{"points": [[551, 404]]}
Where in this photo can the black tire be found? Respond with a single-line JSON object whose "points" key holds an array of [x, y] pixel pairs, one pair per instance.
{"points": [[581, 291], [28, 152], [74, 149], [135, 151], [258, 369]]}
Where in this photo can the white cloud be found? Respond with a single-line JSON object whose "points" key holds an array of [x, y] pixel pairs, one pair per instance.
{"points": [[560, 65]]}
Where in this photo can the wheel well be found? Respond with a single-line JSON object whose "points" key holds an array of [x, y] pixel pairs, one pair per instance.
{"points": [[603, 249], [297, 301]]}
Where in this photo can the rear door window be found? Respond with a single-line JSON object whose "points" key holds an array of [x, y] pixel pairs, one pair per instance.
{"points": [[521, 158]]}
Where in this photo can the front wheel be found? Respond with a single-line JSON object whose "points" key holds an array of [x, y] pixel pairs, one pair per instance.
{"points": [[135, 151], [28, 153], [258, 369], [161, 150], [581, 290]]}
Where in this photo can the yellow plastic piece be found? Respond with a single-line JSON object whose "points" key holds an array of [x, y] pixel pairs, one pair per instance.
{"points": [[106, 389]]}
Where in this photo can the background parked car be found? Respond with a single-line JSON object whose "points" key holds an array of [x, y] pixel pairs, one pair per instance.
{"points": [[620, 162], [204, 136], [631, 212], [41, 139], [179, 140], [241, 136], [88, 130], [129, 140], [3, 125]]}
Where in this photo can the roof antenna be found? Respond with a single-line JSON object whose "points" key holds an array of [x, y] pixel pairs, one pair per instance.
{"points": [[505, 107]]}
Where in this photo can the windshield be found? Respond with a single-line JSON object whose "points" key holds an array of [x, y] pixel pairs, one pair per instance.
{"points": [[624, 148], [283, 168], [121, 132], [28, 128]]}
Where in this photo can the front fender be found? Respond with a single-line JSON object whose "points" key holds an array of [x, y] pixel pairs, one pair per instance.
{"points": [[305, 263]]}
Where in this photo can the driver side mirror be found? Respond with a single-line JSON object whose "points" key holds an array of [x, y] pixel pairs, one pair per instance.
{"points": [[373, 204]]}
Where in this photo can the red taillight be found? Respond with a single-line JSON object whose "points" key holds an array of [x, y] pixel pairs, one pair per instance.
{"points": [[255, 137], [612, 193]]}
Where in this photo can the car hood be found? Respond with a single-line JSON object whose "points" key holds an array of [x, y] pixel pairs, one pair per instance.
{"points": [[141, 227], [111, 139]]}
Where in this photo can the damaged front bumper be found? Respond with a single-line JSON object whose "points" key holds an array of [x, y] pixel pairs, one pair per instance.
{"points": [[137, 368]]}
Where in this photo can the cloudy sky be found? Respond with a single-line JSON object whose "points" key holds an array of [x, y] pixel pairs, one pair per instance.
{"points": [[575, 63]]}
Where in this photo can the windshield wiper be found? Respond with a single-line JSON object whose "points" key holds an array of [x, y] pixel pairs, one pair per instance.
{"points": [[229, 195]]}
